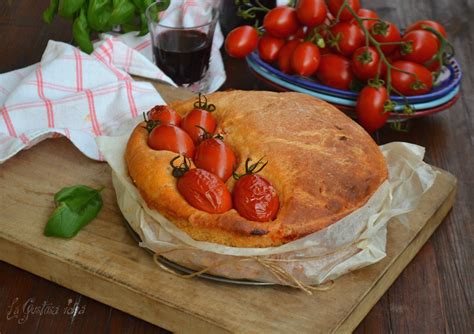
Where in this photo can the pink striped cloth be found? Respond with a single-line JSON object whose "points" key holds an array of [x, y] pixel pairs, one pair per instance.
{"points": [[79, 96]]}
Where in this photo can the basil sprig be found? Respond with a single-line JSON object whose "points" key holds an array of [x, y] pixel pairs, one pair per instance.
{"points": [[93, 16], [76, 207]]}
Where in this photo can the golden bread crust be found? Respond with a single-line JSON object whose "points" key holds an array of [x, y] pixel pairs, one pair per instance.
{"points": [[323, 165]]}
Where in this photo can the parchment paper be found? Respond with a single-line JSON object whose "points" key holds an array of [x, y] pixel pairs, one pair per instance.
{"points": [[355, 241]]}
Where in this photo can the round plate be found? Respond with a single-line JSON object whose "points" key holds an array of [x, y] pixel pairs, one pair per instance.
{"points": [[449, 79], [183, 270], [269, 77], [393, 116]]}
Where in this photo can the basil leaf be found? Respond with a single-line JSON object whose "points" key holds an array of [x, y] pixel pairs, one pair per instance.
{"points": [[81, 32], [98, 14], [67, 8], [123, 12], [77, 206], [51, 11]]}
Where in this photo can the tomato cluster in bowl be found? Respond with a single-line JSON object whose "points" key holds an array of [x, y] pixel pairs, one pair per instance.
{"points": [[347, 47], [205, 162]]}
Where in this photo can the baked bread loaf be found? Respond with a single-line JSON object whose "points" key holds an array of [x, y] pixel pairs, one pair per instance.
{"points": [[323, 165]]}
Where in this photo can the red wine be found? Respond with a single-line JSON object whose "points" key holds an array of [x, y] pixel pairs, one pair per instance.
{"points": [[183, 54]]}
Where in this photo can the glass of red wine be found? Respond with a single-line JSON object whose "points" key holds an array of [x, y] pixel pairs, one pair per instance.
{"points": [[182, 39]]}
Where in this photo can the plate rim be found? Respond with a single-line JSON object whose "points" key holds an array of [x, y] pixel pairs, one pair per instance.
{"points": [[348, 103], [454, 68]]}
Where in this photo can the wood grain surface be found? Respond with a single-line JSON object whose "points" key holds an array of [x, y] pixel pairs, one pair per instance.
{"points": [[433, 295]]}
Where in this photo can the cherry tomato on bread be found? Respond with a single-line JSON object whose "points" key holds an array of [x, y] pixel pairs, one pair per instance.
{"points": [[199, 120], [215, 156], [254, 196], [241, 41], [201, 189], [164, 114], [171, 138]]}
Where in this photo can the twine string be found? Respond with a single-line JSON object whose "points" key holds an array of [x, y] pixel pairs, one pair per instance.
{"points": [[282, 275]]}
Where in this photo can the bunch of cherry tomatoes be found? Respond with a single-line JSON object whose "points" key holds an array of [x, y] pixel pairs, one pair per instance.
{"points": [[206, 162], [345, 46]]}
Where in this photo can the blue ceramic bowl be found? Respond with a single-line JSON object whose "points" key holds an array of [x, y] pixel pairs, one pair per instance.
{"points": [[344, 101], [446, 83]]}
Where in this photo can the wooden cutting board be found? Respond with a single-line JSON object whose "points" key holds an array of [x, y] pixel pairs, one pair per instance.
{"points": [[104, 262]]}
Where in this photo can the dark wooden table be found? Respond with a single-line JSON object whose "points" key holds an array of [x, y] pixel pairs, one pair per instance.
{"points": [[434, 293]]}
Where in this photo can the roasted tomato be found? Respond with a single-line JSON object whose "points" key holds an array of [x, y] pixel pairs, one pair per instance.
{"points": [[281, 22], [199, 120], [215, 156], [386, 32], [417, 81], [420, 46], [241, 41], [348, 37], [311, 12], [305, 59], [171, 138], [269, 48], [335, 71], [201, 189], [335, 5], [165, 115], [370, 108], [365, 63], [254, 196], [284, 57], [427, 24]]}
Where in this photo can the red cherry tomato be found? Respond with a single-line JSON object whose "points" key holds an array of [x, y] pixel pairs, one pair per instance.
{"points": [[305, 59], [348, 36], [205, 191], [335, 71], [269, 47], [164, 114], [406, 83], [311, 12], [255, 198], [171, 138], [241, 41], [434, 65], [301, 33], [215, 156], [197, 119], [386, 32], [370, 108], [421, 46], [418, 25], [281, 22], [335, 5], [367, 14], [395, 55], [284, 57], [365, 63]]}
